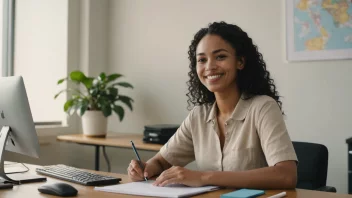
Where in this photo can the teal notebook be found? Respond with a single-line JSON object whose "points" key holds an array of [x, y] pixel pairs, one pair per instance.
{"points": [[243, 193]]}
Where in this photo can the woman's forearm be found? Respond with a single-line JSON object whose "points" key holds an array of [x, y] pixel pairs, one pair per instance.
{"points": [[155, 167], [275, 177], [158, 163]]}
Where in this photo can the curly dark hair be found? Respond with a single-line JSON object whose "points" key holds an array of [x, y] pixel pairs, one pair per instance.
{"points": [[254, 79]]}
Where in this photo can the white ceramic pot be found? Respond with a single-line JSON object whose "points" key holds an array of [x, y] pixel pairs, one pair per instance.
{"points": [[94, 123]]}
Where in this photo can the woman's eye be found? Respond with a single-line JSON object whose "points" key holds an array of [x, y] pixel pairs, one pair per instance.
{"points": [[201, 60], [220, 57]]}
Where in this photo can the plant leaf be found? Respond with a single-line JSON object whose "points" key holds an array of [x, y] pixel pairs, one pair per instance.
{"points": [[75, 96], [95, 82], [102, 76], [127, 100], [102, 100], [113, 77], [61, 80], [59, 93], [94, 92], [119, 111], [81, 106], [88, 82], [68, 90], [77, 76], [72, 110], [112, 92], [83, 109], [106, 110], [68, 104], [123, 84]]}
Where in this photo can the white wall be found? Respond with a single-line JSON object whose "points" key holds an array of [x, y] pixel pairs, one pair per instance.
{"points": [[93, 36], [148, 43]]}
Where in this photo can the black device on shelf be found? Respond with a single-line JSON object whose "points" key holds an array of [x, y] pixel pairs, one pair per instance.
{"points": [[159, 133], [76, 175]]}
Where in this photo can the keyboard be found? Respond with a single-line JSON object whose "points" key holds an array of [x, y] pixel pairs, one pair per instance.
{"points": [[76, 175]]}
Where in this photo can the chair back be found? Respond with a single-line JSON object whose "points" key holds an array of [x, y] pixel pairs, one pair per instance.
{"points": [[312, 165]]}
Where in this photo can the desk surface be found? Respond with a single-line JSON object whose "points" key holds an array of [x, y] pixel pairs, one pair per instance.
{"points": [[121, 140], [30, 190]]}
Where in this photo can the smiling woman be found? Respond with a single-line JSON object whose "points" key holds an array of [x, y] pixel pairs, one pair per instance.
{"points": [[253, 80], [215, 52], [235, 131]]}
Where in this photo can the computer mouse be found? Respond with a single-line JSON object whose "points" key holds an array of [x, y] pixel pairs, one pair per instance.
{"points": [[58, 189]]}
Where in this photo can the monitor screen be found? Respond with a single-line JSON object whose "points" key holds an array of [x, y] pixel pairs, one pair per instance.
{"points": [[15, 112]]}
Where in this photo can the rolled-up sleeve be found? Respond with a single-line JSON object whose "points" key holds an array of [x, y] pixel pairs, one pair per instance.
{"points": [[179, 150], [275, 141]]}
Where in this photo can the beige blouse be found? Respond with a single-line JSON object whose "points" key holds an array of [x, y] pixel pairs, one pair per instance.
{"points": [[255, 137]]}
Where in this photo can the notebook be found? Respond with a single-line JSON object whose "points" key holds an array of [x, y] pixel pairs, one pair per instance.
{"points": [[145, 188], [243, 193]]}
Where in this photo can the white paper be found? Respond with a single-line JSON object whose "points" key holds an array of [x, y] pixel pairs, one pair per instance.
{"points": [[145, 188]]}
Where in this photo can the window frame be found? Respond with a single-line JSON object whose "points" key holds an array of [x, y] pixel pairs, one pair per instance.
{"points": [[8, 37]]}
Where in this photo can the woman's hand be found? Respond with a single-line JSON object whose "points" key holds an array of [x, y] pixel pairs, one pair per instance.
{"points": [[152, 167], [135, 172], [179, 175]]}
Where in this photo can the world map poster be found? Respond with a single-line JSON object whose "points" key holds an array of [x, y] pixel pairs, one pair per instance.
{"points": [[319, 29]]}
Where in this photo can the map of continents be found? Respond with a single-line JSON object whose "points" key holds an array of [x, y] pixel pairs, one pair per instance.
{"points": [[322, 25]]}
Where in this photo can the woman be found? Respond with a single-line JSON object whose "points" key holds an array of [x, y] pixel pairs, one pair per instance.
{"points": [[236, 132]]}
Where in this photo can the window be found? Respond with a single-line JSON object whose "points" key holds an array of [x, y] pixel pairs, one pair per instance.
{"points": [[40, 55], [4, 35], [1, 34]]}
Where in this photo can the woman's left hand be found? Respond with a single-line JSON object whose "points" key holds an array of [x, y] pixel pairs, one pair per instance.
{"points": [[179, 175]]}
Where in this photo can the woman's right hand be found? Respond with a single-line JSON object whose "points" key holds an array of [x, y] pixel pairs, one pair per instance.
{"points": [[152, 168], [135, 172]]}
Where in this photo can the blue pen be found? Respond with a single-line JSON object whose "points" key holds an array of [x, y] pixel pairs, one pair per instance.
{"points": [[139, 159]]}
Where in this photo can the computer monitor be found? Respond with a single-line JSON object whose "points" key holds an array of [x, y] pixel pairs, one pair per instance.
{"points": [[17, 128]]}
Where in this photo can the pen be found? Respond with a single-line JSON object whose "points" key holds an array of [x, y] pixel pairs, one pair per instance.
{"points": [[282, 194], [139, 159]]}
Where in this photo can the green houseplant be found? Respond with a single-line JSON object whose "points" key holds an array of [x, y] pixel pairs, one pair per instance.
{"points": [[95, 99]]}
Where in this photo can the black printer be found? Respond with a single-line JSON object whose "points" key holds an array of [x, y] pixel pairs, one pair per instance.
{"points": [[159, 133]]}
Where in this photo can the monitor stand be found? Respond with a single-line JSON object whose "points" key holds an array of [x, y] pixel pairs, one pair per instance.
{"points": [[21, 178]]}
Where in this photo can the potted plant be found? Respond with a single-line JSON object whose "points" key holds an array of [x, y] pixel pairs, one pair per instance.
{"points": [[99, 98]]}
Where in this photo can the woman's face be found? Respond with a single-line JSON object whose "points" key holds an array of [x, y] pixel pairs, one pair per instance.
{"points": [[217, 64]]}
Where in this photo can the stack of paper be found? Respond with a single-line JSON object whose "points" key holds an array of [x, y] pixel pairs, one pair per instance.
{"points": [[146, 188]]}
